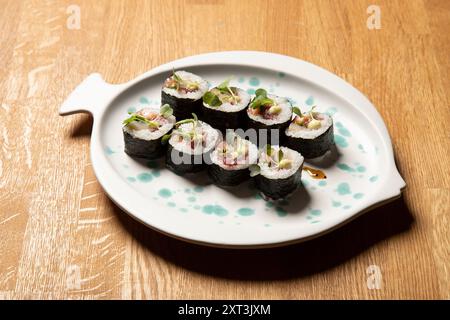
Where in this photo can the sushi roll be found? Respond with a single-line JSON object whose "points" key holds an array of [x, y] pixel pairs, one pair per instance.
{"points": [[224, 106], [278, 172], [310, 133], [143, 131], [269, 112], [230, 161], [190, 145], [183, 91]]}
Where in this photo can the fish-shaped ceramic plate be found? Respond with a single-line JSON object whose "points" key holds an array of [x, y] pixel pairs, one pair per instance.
{"points": [[361, 171]]}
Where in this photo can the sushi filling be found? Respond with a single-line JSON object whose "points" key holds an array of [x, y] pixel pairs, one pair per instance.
{"points": [[236, 154], [149, 123], [226, 98], [308, 125], [193, 136], [269, 109], [185, 85], [277, 163]]}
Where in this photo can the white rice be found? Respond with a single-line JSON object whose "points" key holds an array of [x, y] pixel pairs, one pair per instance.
{"points": [[296, 131], [212, 138], [195, 95], [283, 116], [243, 163], [228, 107], [142, 131], [275, 173]]}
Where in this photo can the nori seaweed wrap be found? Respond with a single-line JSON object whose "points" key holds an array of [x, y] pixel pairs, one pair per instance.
{"points": [[224, 107], [310, 133], [144, 129], [230, 161], [183, 91], [278, 173], [269, 112], [190, 145]]}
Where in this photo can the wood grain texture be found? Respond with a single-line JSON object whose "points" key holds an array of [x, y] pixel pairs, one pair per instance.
{"points": [[62, 238]]}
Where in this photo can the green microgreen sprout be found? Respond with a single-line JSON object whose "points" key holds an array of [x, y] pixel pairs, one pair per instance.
{"points": [[175, 76], [238, 146], [311, 112], [280, 154], [260, 99], [269, 150], [277, 159], [136, 117], [282, 162], [211, 99], [181, 83], [307, 119], [313, 123], [165, 138], [192, 135], [166, 111], [224, 87], [254, 170], [297, 111]]}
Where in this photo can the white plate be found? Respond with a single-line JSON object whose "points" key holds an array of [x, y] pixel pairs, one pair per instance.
{"points": [[364, 175]]}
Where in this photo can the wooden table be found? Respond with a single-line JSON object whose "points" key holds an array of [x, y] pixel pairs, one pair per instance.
{"points": [[62, 238]]}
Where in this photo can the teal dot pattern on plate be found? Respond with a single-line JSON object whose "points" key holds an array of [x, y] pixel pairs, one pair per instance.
{"points": [[340, 141], [331, 111], [313, 215], [336, 203], [165, 193], [190, 202], [269, 204], [254, 82], [246, 212], [281, 212], [345, 167], [343, 130], [310, 101], [361, 148], [199, 189], [351, 169], [145, 177], [215, 209], [144, 100], [109, 151], [156, 173], [343, 189]]}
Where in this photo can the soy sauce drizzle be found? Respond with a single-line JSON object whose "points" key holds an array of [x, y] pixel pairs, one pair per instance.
{"points": [[315, 173]]}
